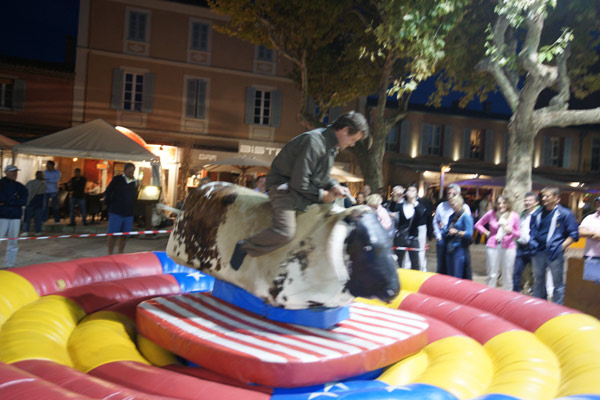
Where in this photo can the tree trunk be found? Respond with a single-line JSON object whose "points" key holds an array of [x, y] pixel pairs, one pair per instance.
{"points": [[521, 137], [370, 162]]}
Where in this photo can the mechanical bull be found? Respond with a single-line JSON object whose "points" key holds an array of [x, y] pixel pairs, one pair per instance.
{"points": [[334, 256]]}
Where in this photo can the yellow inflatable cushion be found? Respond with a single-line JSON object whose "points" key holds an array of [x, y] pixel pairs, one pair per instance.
{"points": [[524, 367], [101, 338], [457, 364], [575, 339], [15, 292], [40, 330]]}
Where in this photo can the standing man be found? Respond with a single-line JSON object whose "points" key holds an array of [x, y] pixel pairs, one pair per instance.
{"points": [[590, 229], [52, 178], [13, 196], [299, 177], [440, 221], [523, 257], [553, 229], [77, 188], [119, 197], [36, 190]]}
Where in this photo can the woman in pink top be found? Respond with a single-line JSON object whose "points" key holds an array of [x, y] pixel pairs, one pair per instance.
{"points": [[501, 249]]}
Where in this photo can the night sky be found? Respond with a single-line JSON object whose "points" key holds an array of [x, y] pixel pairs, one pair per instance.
{"points": [[37, 28]]}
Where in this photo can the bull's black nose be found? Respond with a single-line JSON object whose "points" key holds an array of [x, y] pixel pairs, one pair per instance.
{"points": [[389, 294]]}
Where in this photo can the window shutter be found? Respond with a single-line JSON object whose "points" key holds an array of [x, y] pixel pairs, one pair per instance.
{"points": [[425, 129], [18, 100], [275, 108], [447, 141], [201, 99], [148, 93], [567, 153], [489, 145], [467, 144], [250, 97], [404, 136], [546, 151], [190, 98], [116, 100]]}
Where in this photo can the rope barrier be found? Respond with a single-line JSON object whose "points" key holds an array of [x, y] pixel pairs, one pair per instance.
{"points": [[411, 248], [89, 235]]}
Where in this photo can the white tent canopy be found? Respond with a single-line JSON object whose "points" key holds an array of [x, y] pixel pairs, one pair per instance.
{"points": [[94, 139]]}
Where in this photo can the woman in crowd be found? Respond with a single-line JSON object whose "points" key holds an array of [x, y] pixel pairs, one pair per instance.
{"points": [[409, 215], [458, 236], [374, 201], [500, 251]]}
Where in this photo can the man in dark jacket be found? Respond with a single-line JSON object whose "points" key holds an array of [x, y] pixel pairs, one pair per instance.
{"points": [[77, 188], [13, 196], [553, 229], [119, 197], [299, 177]]}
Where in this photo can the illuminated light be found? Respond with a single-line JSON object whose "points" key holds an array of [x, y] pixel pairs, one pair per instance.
{"points": [[445, 168], [149, 193], [75, 159], [413, 150], [575, 184]]}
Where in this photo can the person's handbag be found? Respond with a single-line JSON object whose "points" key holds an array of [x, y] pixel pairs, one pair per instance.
{"points": [[403, 238]]}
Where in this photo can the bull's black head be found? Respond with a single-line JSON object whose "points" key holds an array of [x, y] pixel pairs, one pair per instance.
{"points": [[373, 270]]}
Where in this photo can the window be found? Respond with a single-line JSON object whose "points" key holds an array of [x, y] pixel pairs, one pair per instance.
{"points": [[137, 26], [431, 140], [196, 99], [595, 159], [133, 92], [556, 151], [476, 144], [6, 93], [199, 39], [391, 140], [262, 107], [264, 54]]}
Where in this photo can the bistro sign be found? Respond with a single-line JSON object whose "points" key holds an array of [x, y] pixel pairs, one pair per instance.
{"points": [[262, 151]]}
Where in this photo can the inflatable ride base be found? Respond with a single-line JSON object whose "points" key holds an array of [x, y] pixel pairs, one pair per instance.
{"points": [[316, 317], [251, 349]]}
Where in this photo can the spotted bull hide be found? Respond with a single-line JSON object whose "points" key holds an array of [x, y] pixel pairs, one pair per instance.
{"points": [[333, 257]]}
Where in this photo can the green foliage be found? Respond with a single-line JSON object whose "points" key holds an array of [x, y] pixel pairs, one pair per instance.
{"points": [[573, 22], [321, 38], [413, 32]]}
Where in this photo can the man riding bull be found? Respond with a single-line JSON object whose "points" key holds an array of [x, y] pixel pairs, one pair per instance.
{"points": [[299, 177]]}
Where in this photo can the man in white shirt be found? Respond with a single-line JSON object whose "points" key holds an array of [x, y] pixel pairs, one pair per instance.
{"points": [[440, 220], [532, 203], [590, 229]]}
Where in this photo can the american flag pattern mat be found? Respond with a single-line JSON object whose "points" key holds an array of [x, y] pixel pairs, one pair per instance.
{"points": [[244, 346]]}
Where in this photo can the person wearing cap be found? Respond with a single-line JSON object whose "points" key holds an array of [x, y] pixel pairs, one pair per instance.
{"points": [[590, 229], [299, 177], [13, 196]]}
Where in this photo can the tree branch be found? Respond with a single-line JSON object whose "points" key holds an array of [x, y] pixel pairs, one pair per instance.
{"points": [[561, 100], [492, 64], [544, 118]]}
